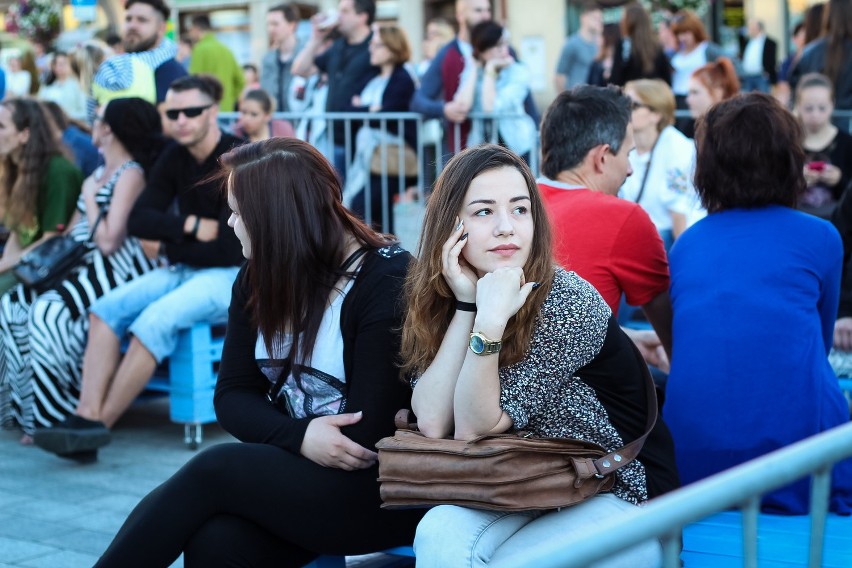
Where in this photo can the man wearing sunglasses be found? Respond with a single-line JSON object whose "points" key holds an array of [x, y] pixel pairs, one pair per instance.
{"points": [[181, 220]]}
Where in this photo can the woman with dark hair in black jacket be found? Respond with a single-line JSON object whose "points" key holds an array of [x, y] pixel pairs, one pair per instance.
{"points": [[640, 55], [309, 406]]}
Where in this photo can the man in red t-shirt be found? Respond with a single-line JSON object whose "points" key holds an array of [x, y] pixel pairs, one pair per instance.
{"points": [[585, 139]]}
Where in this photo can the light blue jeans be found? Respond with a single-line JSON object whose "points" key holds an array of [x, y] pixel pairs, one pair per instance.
{"points": [[450, 536], [156, 306]]}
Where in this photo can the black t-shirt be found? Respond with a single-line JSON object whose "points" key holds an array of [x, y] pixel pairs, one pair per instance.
{"points": [[177, 177], [349, 70]]}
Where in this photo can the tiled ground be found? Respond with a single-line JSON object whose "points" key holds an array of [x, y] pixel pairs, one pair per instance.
{"points": [[56, 513]]}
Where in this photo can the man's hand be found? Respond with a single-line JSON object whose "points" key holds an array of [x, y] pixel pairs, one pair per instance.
{"points": [[150, 248], [455, 111], [843, 334], [650, 347]]}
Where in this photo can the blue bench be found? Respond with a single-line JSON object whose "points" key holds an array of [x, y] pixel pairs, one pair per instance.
{"points": [[782, 541], [717, 542], [189, 379]]}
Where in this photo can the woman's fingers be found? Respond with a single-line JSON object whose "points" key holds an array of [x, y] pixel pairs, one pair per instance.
{"points": [[451, 242]]}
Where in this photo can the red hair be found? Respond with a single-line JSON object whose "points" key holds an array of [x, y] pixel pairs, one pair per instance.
{"points": [[719, 74]]}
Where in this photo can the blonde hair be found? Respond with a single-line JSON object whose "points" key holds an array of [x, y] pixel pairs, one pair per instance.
{"points": [[657, 95], [86, 59], [396, 41]]}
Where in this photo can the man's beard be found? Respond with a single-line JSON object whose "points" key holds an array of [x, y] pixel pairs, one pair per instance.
{"points": [[141, 44]]}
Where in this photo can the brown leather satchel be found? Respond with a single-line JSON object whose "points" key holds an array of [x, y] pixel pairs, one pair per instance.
{"points": [[504, 472]]}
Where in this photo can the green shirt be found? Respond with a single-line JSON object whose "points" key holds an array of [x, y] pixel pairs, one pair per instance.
{"points": [[213, 57], [57, 197]]}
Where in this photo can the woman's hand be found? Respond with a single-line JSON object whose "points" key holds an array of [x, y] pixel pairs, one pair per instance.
{"points": [[500, 294], [811, 176], [326, 445], [830, 175], [457, 272], [356, 100]]}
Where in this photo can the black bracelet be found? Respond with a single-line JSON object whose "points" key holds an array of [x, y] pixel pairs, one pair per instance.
{"points": [[465, 306], [195, 226]]}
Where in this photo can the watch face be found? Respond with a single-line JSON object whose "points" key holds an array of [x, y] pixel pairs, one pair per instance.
{"points": [[477, 344]]}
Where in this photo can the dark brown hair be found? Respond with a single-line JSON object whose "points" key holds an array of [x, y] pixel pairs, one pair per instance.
{"points": [[431, 304], [158, 5], [749, 154], [837, 26], [688, 21], [636, 25], [813, 22], [19, 181], [289, 198], [289, 11]]}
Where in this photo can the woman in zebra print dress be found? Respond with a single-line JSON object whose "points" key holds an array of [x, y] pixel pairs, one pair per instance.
{"points": [[44, 336]]}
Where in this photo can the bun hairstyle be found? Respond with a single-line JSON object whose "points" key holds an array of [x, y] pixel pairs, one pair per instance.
{"points": [[719, 74], [137, 125]]}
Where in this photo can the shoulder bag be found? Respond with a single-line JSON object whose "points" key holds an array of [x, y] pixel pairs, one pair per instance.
{"points": [[50, 262], [503, 472]]}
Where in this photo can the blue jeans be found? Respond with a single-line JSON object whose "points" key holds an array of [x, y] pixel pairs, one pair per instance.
{"points": [[157, 305], [757, 83], [455, 536]]}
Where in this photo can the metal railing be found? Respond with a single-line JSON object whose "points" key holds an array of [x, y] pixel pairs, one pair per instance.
{"points": [[664, 517], [394, 198], [395, 187]]}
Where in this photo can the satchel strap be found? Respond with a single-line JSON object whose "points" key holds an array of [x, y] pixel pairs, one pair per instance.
{"points": [[626, 454], [585, 467]]}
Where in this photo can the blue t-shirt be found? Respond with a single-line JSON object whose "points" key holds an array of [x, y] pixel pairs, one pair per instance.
{"points": [[754, 295]]}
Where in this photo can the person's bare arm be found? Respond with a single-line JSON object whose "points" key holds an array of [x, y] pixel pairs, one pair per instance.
{"points": [[659, 314], [303, 64]]}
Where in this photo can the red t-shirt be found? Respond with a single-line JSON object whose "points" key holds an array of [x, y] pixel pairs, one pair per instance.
{"points": [[610, 242]]}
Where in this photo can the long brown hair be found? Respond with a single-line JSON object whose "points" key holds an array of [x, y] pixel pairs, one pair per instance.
{"points": [[430, 302], [289, 198], [837, 27], [636, 25], [19, 180]]}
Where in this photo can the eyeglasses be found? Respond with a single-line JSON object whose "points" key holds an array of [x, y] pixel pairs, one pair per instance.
{"points": [[636, 105], [188, 112], [98, 118]]}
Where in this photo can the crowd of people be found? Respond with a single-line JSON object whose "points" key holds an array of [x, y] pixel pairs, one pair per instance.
{"points": [[728, 231]]}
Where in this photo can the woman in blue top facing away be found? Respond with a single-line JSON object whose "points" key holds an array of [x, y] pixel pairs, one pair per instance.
{"points": [[754, 292], [307, 407]]}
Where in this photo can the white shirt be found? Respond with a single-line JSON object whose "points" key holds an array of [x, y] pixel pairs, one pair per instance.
{"points": [[319, 390], [684, 64], [753, 55], [669, 181]]}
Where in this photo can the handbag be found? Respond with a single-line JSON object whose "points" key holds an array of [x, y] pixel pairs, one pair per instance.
{"points": [[501, 472], [392, 164], [49, 263]]}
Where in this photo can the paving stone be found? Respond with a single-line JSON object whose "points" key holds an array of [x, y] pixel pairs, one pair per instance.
{"points": [[63, 558]]}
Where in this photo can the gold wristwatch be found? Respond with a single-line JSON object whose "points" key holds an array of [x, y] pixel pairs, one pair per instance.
{"points": [[481, 345]]}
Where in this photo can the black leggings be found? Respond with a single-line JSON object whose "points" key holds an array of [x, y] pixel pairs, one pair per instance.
{"points": [[258, 505]]}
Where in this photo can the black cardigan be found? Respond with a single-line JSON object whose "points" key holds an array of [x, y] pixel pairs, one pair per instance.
{"points": [[177, 177], [370, 323]]}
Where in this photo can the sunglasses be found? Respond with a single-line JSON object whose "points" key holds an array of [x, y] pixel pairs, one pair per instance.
{"points": [[188, 112]]}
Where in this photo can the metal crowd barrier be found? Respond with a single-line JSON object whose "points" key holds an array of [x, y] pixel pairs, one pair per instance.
{"points": [[394, 200], [664, 517], [395, 193]]}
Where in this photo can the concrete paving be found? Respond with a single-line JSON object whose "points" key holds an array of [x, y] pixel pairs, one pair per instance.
{"points": [[56, 513]]}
